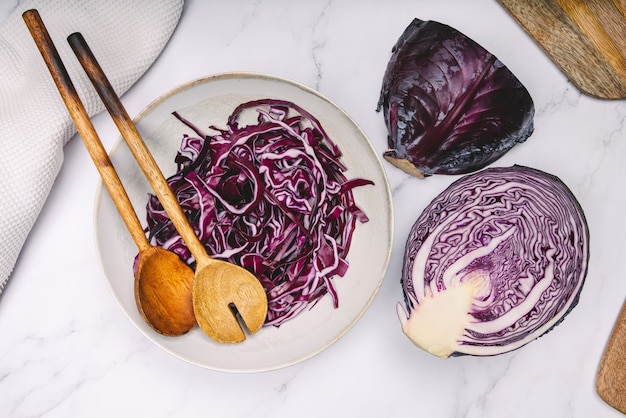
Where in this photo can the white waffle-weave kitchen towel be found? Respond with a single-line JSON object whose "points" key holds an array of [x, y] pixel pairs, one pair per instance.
{"points": [[126, 37]]}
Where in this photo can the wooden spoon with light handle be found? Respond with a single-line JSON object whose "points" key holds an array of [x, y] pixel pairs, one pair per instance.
{"points": [[219, 287], [163, 282]]}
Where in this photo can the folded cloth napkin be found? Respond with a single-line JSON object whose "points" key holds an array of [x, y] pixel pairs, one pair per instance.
{"points": [[125, 36]]}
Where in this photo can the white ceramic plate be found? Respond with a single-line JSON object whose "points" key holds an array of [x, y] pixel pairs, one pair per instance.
{"points": [[209, 101]]}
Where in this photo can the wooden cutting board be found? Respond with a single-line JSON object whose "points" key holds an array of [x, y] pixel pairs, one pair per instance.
{"points": [[611, 378], [585, 39]]}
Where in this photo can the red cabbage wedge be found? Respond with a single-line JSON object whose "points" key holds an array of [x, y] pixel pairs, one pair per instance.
{"points": [[495, 261], [271, 196], [449, 105]]}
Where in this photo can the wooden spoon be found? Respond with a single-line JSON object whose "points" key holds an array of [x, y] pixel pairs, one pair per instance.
{"points": [[221, 290], [163, 282]]}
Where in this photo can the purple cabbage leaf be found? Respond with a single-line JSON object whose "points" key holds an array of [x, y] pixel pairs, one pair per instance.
{"points": [[450, 106]]}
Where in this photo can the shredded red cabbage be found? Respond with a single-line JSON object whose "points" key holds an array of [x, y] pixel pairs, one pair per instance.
{"points": [[271, 197]]}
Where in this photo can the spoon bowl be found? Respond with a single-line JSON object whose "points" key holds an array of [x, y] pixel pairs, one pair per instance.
{"points": [[221, 292], [163, 291]]}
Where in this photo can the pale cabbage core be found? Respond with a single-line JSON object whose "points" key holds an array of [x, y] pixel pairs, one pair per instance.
{"points": [[438, 322]]}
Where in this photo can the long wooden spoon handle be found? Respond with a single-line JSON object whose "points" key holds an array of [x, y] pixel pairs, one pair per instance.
{"points": [[136, 144], [84, 126]]}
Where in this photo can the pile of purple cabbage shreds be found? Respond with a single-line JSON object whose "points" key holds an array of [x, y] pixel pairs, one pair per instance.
{"points": [[271, 197]]}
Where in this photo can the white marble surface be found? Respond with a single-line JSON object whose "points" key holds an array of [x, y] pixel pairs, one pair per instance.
{"points": [[67, 350]]}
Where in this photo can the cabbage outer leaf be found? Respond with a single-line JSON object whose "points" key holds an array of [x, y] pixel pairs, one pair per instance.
{"points": [[450, 106]]}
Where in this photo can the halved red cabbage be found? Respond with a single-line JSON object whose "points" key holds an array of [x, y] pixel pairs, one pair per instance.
{"points": [[271, 197], [450, 106], [495, 261]]}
